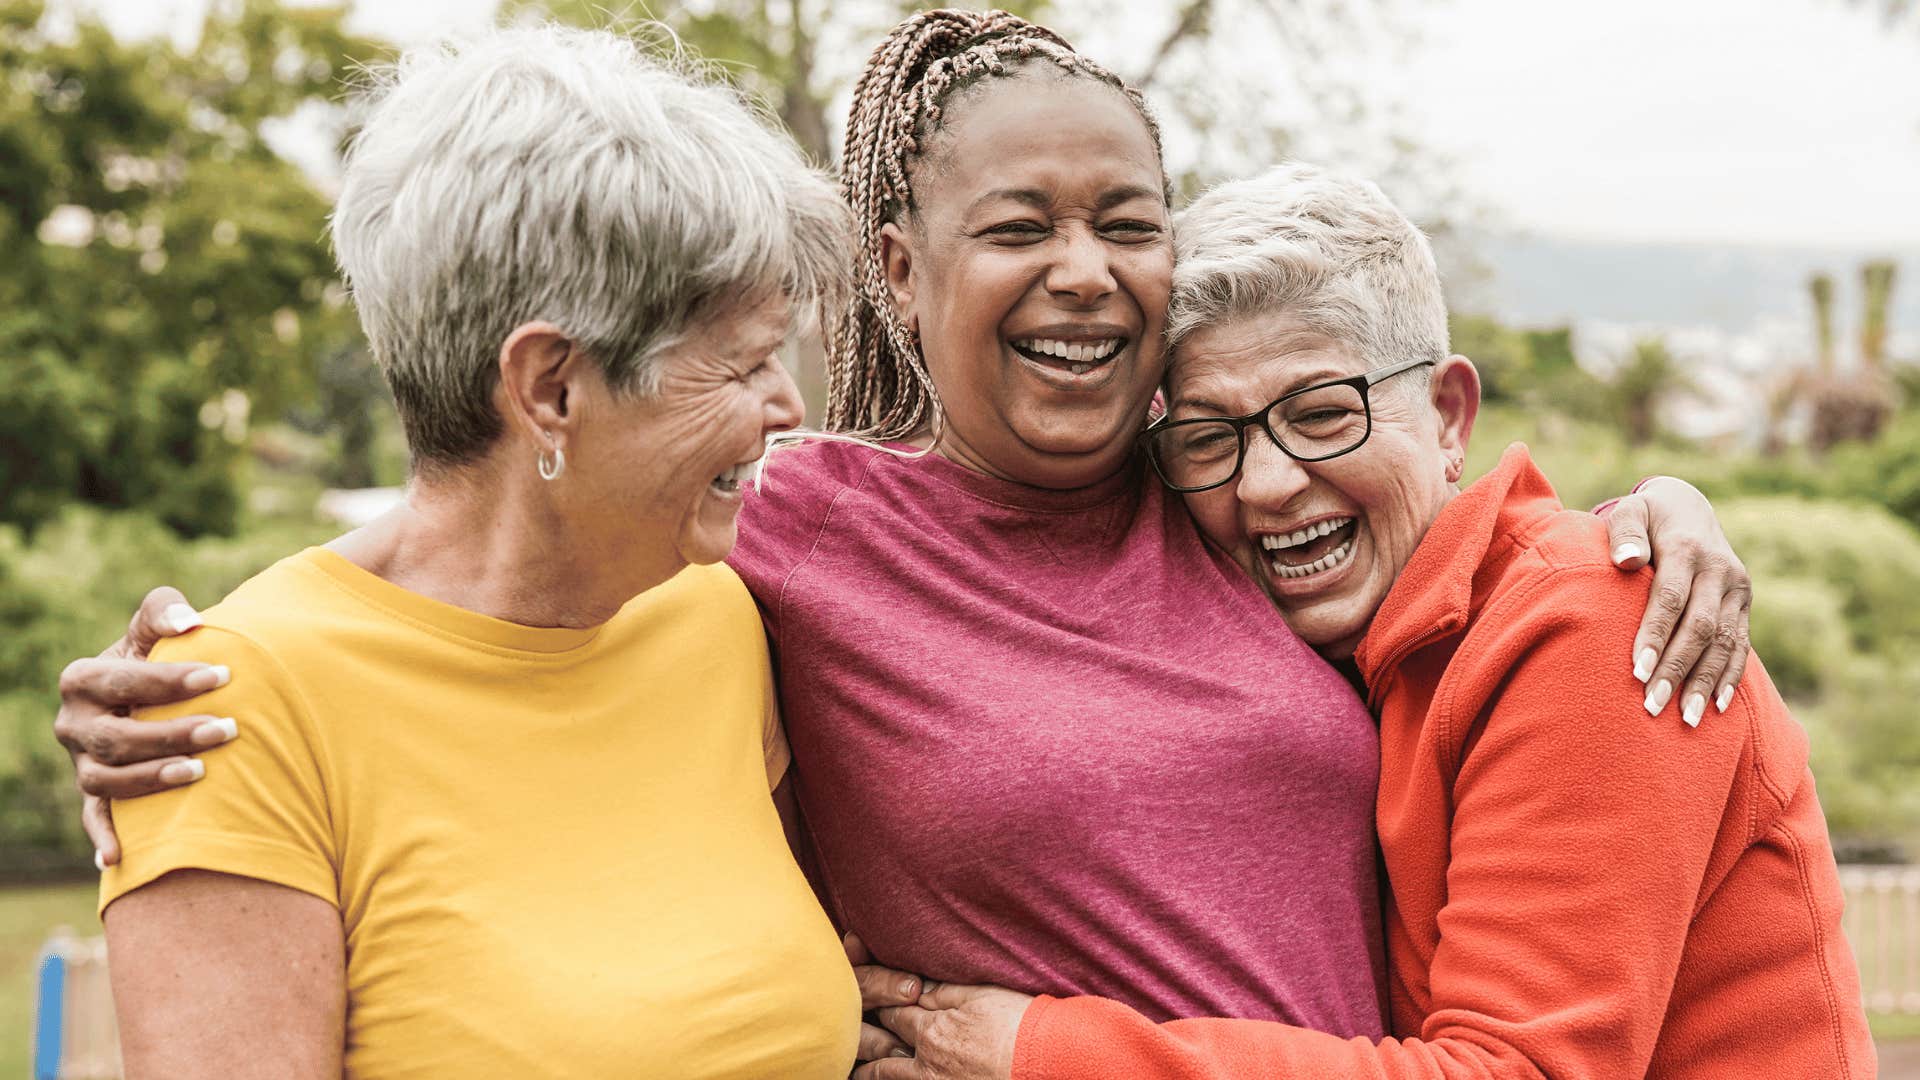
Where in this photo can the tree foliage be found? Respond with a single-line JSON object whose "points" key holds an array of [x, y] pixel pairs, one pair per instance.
{"points": [[163, 272]]}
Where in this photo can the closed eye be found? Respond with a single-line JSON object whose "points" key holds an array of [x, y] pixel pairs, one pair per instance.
{"points": [[1132, 230], [1018, 230]]}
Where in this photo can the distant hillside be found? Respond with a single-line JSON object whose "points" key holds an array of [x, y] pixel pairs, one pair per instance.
{"points": [[1738, 290]]}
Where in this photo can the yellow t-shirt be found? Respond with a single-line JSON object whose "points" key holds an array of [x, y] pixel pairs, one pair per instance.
{"points": [[553, 851]]}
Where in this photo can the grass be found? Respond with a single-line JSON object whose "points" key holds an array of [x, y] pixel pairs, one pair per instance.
{"points": [[27, 915]]}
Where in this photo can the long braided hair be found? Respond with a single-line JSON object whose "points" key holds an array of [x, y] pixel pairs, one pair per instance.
{"points": [[878, 386]]}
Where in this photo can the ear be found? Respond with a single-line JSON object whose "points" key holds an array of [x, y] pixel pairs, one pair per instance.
{"points": [[539, 366], [1455, 390], [896, 261]]}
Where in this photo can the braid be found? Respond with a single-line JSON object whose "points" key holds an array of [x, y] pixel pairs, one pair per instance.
{"points": [[877, 380]]}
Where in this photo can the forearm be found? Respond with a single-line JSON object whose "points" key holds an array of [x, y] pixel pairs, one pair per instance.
{"points": [[224, 977], [1089, 1038]]}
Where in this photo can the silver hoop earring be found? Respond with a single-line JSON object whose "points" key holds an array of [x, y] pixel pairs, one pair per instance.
{"points": [[551, 467]]}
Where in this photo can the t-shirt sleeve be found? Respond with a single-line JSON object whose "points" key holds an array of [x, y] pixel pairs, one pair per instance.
{"points": [[260, 811], [773, 741], [781, 518]]}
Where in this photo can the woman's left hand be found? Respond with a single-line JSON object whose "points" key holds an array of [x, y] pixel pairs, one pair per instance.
{"points": [[1694, 635], [956, 1032]]}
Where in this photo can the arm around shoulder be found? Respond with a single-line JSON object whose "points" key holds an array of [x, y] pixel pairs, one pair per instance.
{"points": [[1578, 840]]}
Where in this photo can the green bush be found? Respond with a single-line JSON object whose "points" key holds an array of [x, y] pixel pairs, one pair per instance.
{"points": [[1801, 632], [1867, 555], [69, 593]]}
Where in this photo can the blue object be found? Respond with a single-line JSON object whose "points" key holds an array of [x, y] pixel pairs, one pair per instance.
{"points": [[49, 1016]]}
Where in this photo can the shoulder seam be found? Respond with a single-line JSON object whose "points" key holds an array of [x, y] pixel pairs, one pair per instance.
{"points": [[819, 534]]}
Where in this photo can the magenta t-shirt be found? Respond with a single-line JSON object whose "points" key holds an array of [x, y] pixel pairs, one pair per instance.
{"points": [[1051, 740]]}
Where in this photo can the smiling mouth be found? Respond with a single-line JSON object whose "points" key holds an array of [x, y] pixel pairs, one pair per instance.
{"points": [[1314, 549], [1072, 357], [728, 483]]}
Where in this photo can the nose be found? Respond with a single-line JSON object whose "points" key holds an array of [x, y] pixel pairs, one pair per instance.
{"points": [[1081, 272], [785, 409], [1269, 479]]}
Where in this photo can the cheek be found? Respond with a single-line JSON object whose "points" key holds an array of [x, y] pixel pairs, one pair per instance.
{"points": [[1217, 512], [1148, 273]]}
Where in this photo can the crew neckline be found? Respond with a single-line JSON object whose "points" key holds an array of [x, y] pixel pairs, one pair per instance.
{"points": [[1020, 496], [442, 618]]}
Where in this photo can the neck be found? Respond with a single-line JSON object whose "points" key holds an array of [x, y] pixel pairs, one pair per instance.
{"points": [[1052, 472], [497, 545]]}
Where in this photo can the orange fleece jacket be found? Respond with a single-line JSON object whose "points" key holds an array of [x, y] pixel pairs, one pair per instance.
{"points": [[1575, 890]]}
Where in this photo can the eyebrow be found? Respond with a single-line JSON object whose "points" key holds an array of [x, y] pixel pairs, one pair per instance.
{"points": [[1320, 374], [1040, 200]]}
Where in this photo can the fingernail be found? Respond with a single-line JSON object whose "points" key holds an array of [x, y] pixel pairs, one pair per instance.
{"points": [[184, 772], [181, 618], [1725, 699], [1643, 664], [1657, 697], [1695, 708], [1625, 552], [99, 861], [207, 678], [899, 1051], [215, 732], [909, 988]]}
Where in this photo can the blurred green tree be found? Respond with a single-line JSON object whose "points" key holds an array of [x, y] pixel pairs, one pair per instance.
{"points": [[163, 271], [1649, 378]]}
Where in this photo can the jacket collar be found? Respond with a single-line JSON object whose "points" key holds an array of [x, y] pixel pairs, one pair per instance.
{"points": [[1435, 594]]}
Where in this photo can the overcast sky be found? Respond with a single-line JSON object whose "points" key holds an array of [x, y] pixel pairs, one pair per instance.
{"points": [[1790, 122]]}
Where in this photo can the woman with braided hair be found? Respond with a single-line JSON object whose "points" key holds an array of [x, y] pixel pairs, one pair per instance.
{"points": [[1044, 736], [1041, 728]]}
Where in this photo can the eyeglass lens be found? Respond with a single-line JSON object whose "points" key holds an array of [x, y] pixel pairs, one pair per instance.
{"points": [[1319, 423]]}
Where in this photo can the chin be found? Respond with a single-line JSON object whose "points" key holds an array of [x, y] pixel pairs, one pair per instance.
{"points": [[1080, 431]]}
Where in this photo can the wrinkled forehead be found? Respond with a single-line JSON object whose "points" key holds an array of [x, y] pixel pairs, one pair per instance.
{"points": [[1039, 127], [1239, 364]]}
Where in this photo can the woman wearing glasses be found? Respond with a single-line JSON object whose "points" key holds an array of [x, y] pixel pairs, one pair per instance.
{"points": [[1570, 892]]}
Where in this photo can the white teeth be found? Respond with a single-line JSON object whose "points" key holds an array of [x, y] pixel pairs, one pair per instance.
{"points": [[1082, 369], [735, 473], [1078, 352], [1301, 536], [1325, 562]]}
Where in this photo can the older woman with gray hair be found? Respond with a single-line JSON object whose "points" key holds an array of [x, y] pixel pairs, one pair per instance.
{"points": [[575, 265], [1571, 892]]}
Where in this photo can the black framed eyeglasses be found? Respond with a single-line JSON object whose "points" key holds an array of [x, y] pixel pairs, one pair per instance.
{"points": [[1313, 423]]}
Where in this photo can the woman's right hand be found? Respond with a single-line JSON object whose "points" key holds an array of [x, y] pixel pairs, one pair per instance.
{"points": [[117, 757], [880, 988]]}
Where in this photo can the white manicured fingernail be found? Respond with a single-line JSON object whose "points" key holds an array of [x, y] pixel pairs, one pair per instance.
{"points": [[181, 618], [99, 861], [1725, 699], [215, 732], [208, 678], [1657, 697], [1696, 707], [184, 772], [1643, 664], [1625, 551]]}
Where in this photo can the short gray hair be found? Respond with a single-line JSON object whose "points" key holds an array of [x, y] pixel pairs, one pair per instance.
{"points": [[1329, 250], [546, 173]]}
